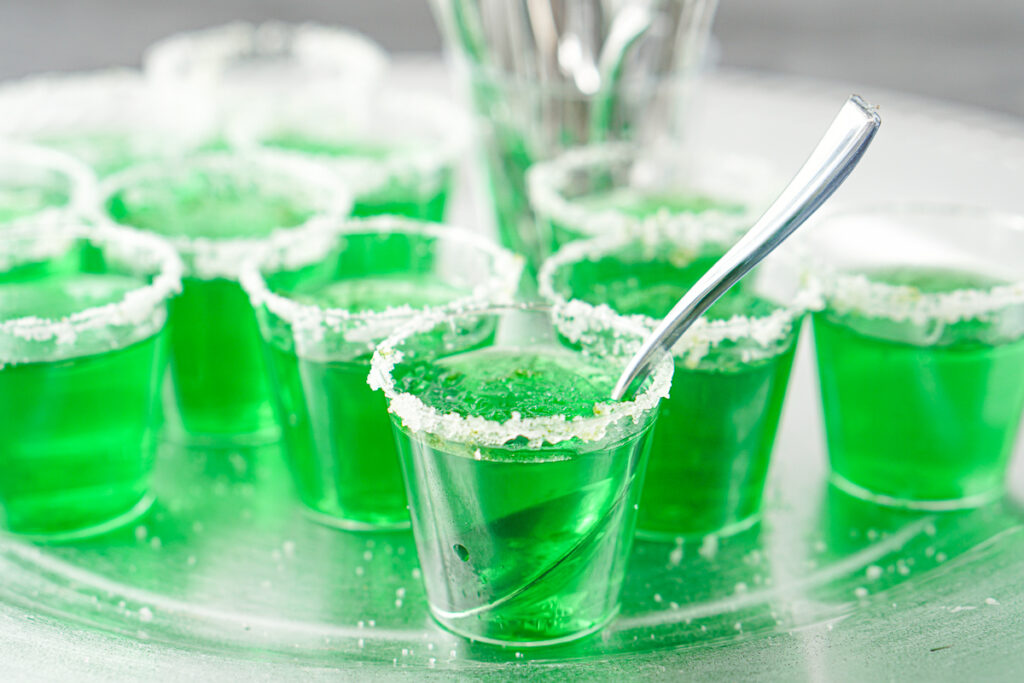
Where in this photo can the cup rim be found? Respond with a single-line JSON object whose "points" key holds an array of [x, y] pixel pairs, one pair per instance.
{"points": [[203, 53], [448, 137], [84, 187], [119, 99], [546, 179], [704, 334], [858, 292], [133, 308], [292, 250], [211, 258], [486, 433]]}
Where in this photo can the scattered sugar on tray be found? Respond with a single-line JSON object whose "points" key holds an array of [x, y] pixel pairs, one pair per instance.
{"points": [[709, 547], [145, 614], [861, 592], [873, 572]]}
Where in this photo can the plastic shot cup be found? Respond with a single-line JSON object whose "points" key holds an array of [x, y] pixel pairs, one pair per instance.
{"points": [[920, 348], [522, 474], [108, 119], [217, 210], [82, 314], [597, 190], [38, 184], [712, 446], [399, 152], [243, 68], [324, 302]]}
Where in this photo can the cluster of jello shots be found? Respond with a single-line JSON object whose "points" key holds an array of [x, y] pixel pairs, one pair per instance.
{"points": [[243, 244]]}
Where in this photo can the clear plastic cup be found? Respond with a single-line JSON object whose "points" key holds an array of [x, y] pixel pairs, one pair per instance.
{"points": [[522, 476], [596, 190], [324, 303], [108, 119], [713, 443], [82, 313], [273, 66], [397, 151], [217, 210], [920, 347], [39, 184]]}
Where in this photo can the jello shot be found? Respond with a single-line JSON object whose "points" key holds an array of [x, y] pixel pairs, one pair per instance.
{"points": [[523, 474], [712, 446], [82, 315], [920, 347], [217, 210], [39, 184], [324, 302]]}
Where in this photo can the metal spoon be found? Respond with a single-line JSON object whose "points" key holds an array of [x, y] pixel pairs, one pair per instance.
{"points": [[842, 146]]}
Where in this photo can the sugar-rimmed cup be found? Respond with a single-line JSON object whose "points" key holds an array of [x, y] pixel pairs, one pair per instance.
{"points": [[82, 311], [920, 347], [41, 184], [324, 302], [712, 447], [242, 67], [217, 210], [399, 152], [108, 119], [600, 189], [522, 473]]}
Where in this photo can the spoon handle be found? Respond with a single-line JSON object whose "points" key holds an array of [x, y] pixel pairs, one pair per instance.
{"points": [[842, 146]]}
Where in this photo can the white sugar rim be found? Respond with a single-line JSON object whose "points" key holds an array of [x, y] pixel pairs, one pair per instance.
{"points": [[446, 141], [546, 179], [83, 185], [204, 53], [213, 258], [848, 292], [107, 98], [292, 251], [419, 417], [704, 334], [900, 303], [134, 308]]}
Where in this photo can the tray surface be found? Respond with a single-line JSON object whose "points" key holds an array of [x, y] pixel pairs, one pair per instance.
{"points": [[226, 576]]}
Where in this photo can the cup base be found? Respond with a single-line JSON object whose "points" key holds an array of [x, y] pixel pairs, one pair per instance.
{"points": [[354, 525], [179, 436], [732, 529], [104, 527], [442, 621], [968, 502]]}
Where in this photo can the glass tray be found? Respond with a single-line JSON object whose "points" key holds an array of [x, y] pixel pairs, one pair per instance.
{"points": [[225, 576]]}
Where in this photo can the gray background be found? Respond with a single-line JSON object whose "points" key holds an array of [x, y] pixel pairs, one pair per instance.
{"points": [[972, 52]]}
